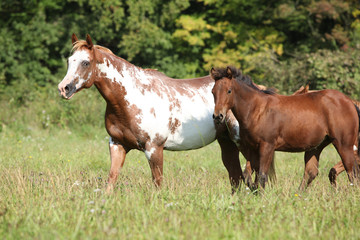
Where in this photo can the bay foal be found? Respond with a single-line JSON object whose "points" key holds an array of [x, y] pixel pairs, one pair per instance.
{"points": [[339, 167], [301, 123]]}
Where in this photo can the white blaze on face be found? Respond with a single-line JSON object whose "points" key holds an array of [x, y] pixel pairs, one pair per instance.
{"points": [[74, 69]]}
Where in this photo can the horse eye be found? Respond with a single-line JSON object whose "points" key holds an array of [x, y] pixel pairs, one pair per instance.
{"points": [[229, 91], [85, 63]]}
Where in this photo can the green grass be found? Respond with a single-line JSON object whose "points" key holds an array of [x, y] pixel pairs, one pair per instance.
{"points": [[52, 187]]}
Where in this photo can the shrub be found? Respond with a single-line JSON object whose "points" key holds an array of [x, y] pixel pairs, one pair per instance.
{"points": [[323, 69]]}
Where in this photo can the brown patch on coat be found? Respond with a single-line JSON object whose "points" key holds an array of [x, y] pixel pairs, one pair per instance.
{"points": [[173, 124], [152, 111]]}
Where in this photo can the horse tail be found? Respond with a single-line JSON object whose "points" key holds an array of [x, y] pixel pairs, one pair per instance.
{"points": [[357, 105], [272, 173]]}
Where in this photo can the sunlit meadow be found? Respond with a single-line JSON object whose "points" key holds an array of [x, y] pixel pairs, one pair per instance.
{"points": [[52, 187]]}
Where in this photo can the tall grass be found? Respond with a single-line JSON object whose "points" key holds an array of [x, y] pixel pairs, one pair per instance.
{"points": [[54, 164], [52, 187]]}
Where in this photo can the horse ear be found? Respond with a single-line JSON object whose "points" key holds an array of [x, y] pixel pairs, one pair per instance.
{"points": [[213, 73], [307, 88], [89, 41], [74, 38], [229, 73]]}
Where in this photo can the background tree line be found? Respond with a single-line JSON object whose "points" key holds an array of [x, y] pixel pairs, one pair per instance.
{"points": [[283, 44]]}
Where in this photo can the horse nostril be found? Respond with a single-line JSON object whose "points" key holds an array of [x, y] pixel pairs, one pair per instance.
{"points": [[213, 116], [67, 89], [221, 116]]}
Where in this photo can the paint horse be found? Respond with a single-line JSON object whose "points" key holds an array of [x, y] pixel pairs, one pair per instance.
{"points": [[148, 111], [339, 167], [272, 122]]}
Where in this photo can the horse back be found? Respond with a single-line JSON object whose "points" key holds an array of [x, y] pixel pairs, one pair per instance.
{"points": [[328, 103], [309, 118], [323, 100]]}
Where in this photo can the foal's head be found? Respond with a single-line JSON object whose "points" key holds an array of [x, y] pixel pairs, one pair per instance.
{"points": [[222, 91], [80, 68]]}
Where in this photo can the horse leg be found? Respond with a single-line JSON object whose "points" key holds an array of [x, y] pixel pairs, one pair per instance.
{"points": [[357, 164], [335, 171], [251, 165], [230, 158], [312, 158], [254, 167], [117, 156], [311, 168], [348, 159], [155, 158], [247, 174], [266, 151], [339, 168]]}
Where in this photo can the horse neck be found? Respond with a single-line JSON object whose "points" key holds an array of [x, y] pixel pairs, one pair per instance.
{"points": [[117, 78], [246, 100]]}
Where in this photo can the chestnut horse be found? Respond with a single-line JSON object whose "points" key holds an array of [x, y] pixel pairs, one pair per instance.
{"points": [[272, 122], [339, 167], [148, 111]]}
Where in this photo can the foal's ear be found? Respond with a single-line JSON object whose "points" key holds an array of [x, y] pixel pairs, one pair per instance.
{"points": [[229, 73], [74, 38], [307, 88], [89, 41], [213, 73]]}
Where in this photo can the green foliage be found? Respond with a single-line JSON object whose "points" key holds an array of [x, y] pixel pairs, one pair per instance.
{"points": [[33, 106], [323, 69], [48, 175], [279, 43]]}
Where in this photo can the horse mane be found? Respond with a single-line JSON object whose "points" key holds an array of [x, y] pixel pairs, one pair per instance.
{"points": [[82, 43], [240, 77]]}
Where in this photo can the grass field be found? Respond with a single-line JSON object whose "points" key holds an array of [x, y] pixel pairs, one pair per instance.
{"points": [[52, 187]]}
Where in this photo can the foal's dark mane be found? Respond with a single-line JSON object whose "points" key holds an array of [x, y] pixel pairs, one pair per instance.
{"points": [[240, 77]]}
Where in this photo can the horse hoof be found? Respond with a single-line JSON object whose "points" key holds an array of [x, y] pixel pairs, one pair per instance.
{"points": [[332, 176]]}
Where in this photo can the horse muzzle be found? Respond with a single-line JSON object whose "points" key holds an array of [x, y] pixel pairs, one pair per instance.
{"points": [[67, 91], [218, 118]]}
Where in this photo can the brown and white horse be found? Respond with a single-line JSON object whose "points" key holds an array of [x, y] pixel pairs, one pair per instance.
{"points": [[300, 123], [148, 111]]}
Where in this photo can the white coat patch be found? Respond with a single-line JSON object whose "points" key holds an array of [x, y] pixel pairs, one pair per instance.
{"points": [[112, 144], [149, 153], [196, 128]]}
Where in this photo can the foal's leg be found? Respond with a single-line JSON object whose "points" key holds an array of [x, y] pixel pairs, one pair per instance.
{"points": [[266, 157], [117, 156], [155, 157], [311, 168], [247, 174], [335, 171], [230, 158], [348, 158], [251, 166], [339, 168], [311, 158]]}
